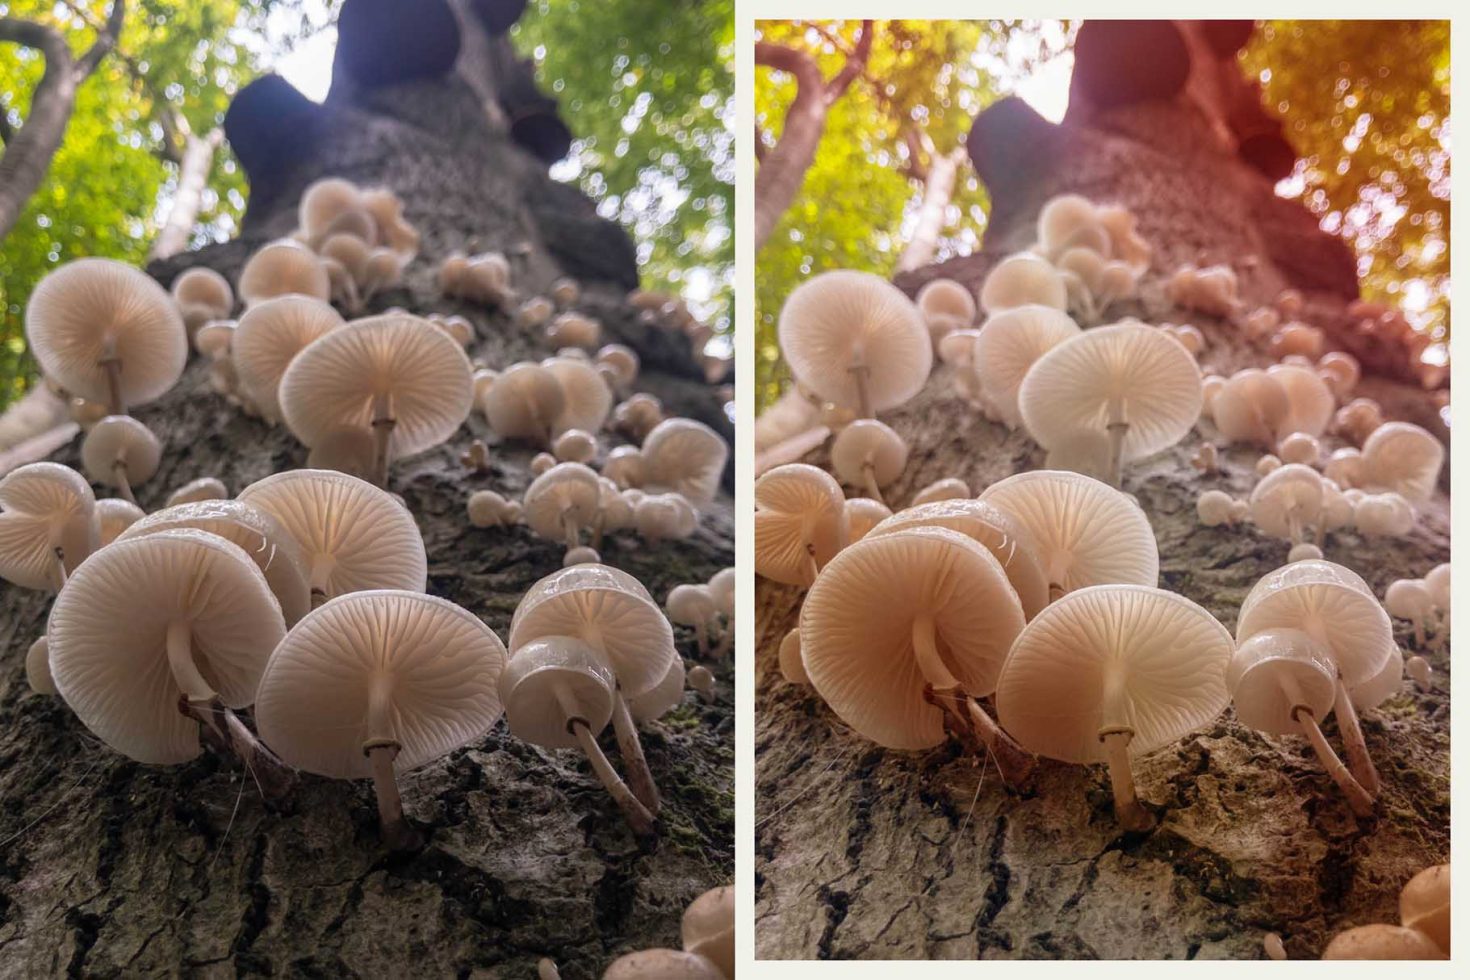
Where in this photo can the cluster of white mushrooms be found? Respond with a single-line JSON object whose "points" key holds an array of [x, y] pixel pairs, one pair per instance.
{"points": [[1042, 591], [302, 598], [707, 932]]}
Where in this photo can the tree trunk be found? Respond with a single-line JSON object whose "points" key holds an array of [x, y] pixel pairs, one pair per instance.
{"points": [[939, 179], [195, 165], [28, 152], [862, 852], [111, 868]]}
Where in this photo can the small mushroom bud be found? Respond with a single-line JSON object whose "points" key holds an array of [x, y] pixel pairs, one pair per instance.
{"points": [[1190, 337], [1297, 338], [1267, 465], [693, 606], [574, 330], [1382, 942], [789, 657], [487, 508], [476, 458], [565, 292], [38, 668], [1206, 459], [1240, 510], [708, 928], [1358, 418], [1215, 507], [1424, 904], [1289, 302], [534, 312], [542, 462], [1299, 447], [1410, 599], [1420, 672], [701, 680], [1262, 322], [581, 555], [575, 446]]}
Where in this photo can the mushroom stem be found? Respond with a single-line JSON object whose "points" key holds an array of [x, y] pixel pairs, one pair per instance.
{"points": [[700, 635], [1015, 763], [859, 374], [1294, 526], [634, 812], [60, 566], [112, 367], [181, 664], [727, 636], [926, 652], [631, 749], [870, 483], [598, 526], [1358, 759], [569, 528], [397, 834], [1131, 814], [120, 479], [1117, 432], [223, 729], [813, 567], [1359, 800], [1419, 633], [382, 432], [1054, 592]]}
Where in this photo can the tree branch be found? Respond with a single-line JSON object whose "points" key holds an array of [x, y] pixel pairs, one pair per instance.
{"points": [[856, 64], [791, 60], [106, 40]]}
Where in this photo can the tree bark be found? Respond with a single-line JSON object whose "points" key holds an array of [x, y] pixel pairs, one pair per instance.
{"points": [[784, 167], [111, 868], [195, 164], [28, 152], [866, 853], [939, 177]]}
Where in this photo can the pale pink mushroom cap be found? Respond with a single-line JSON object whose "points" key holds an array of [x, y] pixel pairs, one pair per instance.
{"points": [[662, 698], [1008, 344], [1020, 280], [1381, 686], [86, 310], [1289, 492], [686, 457], [1111, 657], [284, 267], [1251, 406], [1403, 458], [857, 629], [121, 437], [586, 398], [1328, 602], [607, 609], [1127, 372], [352, 535], [1276, 671], [1084, 532], [524, 402], [433, 668], [44, 506], [268, 336], [868, 440], [946, 298], [799, 512], [1002, 535], [863, 514], [548, 675], [202, 287], [837, 320], [1311, 401], [566, 488], [419, 371], [114, 516], [108, 637], [258, 534]]}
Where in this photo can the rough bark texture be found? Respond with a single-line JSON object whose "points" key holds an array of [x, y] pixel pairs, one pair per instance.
{"points": [[110, 868], [862, 852]]}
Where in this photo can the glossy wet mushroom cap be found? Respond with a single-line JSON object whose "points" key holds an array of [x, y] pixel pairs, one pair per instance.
{"points": [[799, 523], [869, 455], [708, 928], [1251, 406], [89, 313], [46, 525], [114, 516], [686, 457], [1403, 458], [1424, 904], [121, 452], [204, 488]]}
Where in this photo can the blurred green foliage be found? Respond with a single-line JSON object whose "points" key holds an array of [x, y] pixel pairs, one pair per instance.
{"points": [[648, 89]]}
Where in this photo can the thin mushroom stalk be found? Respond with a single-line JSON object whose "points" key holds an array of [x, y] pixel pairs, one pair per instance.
{"points": [[120, 479], [870, 482], [383, 425], [1013, 762], [1359, 762], [60, 564], [1117, 433], [218, 724], [1131, 814], [859, 374], [1359, 800], [111, 364], [631, 749], [569, 528], [381, 750]]}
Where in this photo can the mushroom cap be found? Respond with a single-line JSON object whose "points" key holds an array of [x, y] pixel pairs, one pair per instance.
{"points": [[524, 401], [1424, 904], [685, 456], [1001, 534], [662, 964], [214, 338], [1273, 673], [708, 927], [1408, 598], [202, 286], [1008, 344], [945, 488], [335, 380], [435, 666], [1382, 942], [857, 629], [324, 201], [1020, 280], [1069, 220], [1109, 657], [259, 535], [1130, 371], [946, 298], [1251, 406], [837, 320], [1291, 490], [1404, 458], [114, 516], [1382, 685], [1344, 466], [690, 605], [87, 309], [268, 336], [108, 636], [1330, 603], [352, 535], [565, 487], [121, 437], [1310, 400], [607, 609], [1083, 531], [789, 659], [799, 511], [869, 441], [621, 359], [586, 398], [549, 682], [862, 514], [283, 267], [575, 446], [1438, 580], [44, 506], [722, 588], [660, 699], [38, 668], [1299, 447], [204, 488], [664, 515]]}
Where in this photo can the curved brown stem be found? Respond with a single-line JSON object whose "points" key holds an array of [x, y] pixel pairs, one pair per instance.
{"points": [[397, 833], [1131, 814], [1359, 800], [112, 367], [1015, 764], [1356, 747], [631, 749], [634, 812], [382, 432], [859, 374], [1117, 432]]}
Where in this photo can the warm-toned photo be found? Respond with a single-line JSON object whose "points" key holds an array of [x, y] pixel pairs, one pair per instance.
{"points": [[1102, 518]]}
